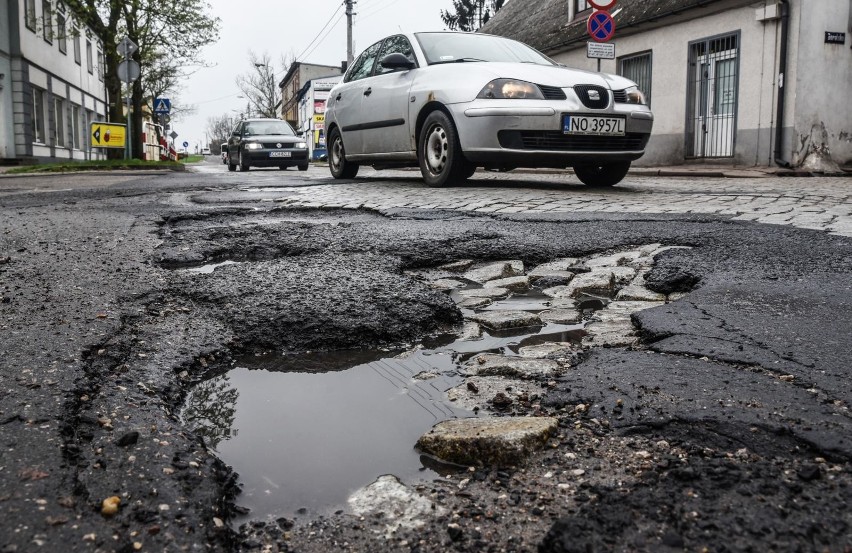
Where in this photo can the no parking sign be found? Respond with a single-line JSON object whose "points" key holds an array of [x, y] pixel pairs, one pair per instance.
{"points": [[600, 26]]}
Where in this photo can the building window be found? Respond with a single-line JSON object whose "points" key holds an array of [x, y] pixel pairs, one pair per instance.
{"points": [[38, 115], [76, 127], [637, 68], [47, 20], [89, 65], [101, 63], [581, 5], [59, 120], [76, 39], [31, 15], [60, 32]]}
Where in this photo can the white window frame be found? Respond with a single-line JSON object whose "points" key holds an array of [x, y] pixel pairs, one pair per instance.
{"points": [[30, 17], [89, 63], [59, 121], [38, 116], [47, 20]]}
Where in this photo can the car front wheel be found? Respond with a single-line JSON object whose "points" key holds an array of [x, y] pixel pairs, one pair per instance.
{"points": [[600, 176], [440, 155], [243, 165], [340, 168]]}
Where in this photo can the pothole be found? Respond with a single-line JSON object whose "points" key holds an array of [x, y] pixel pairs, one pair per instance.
{"points": [[305, 432]]}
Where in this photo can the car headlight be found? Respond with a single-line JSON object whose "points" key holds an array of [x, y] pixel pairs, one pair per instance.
{"points": [[300, 145], [253, 145], [510, 89], [634, 95]]}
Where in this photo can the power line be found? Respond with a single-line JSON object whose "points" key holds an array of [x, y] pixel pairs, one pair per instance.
{"points": [[299, 57], [378, 7], [325, 35]]}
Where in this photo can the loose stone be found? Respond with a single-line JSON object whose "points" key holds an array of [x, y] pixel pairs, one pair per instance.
{"points": [[561, 316], [488, 441], [513, 284], [492, 271], [489, 364], [506, 319]]}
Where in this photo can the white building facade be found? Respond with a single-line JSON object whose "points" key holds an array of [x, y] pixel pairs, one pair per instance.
{"points": [[746, 82], [311, 102], [52, 84]]}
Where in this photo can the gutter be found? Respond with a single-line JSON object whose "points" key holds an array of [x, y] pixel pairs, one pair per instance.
{"points": [[782, 75]]}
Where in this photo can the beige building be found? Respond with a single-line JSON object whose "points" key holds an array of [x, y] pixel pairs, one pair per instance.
{"points": [[729, 81], [51, 83], [291, 85]]}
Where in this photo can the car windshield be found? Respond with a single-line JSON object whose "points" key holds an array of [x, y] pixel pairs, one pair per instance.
{"points": [[268, 127], [464, 47]]}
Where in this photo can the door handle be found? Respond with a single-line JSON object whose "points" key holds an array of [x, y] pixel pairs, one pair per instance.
{"points": [[368, 91], [338, 97]]}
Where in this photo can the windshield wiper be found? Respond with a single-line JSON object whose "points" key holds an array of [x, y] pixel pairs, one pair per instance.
{"points": [[459, 60]]}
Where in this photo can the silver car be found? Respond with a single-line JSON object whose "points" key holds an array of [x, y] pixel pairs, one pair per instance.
{"points": [[451, 102]]}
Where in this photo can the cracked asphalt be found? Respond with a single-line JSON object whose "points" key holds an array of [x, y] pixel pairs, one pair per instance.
{"points": [[727, 429]]}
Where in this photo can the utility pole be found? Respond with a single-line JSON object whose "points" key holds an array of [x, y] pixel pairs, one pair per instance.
{"points": [[349, 14]]}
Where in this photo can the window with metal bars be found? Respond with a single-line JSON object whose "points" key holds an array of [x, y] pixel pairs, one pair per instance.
{"points": [[637, 68], [712, 96]]}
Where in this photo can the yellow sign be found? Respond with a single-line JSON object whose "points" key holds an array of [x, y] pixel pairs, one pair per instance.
{"points": [[319, 118], [107, 135]]}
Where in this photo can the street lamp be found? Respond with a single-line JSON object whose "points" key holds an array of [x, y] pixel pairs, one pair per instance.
{"points": [[271, 83]]}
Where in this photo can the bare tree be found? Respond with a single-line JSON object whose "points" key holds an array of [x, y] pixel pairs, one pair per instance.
{"points": [[219, 129], [470, 15], [259, 86]]}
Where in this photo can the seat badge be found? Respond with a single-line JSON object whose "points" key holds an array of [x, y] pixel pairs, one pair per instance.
{"points": [[594, 95]]}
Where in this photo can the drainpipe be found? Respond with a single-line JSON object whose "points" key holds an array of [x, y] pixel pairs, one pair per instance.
{"points": [[782, 77]]}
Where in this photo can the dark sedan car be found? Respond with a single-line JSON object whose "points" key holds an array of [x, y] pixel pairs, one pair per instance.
{"points": [[266, 143]]}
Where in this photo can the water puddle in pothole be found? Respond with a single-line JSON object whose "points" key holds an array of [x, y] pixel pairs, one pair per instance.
{"points": [[305, 431], [208, 268]]}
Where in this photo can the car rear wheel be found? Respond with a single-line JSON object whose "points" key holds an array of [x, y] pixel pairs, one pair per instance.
{"points": [[243, 165], [600, 176], [440, 155], [340, 168]]}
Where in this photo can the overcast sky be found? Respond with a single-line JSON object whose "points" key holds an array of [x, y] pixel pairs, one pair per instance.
{"points": [[284, 28]]}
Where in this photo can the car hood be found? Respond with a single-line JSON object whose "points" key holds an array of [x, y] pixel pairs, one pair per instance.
{"points": [[282, 138], [550, 75]]}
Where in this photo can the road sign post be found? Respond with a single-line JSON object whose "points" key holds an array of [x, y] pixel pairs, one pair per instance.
{"points": [[128, 71], [601, 27]]}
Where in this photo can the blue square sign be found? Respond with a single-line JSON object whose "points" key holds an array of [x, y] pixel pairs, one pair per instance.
{"points": [[162, 105]]}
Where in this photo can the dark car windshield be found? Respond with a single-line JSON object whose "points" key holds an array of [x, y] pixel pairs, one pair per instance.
{"points": [[268, 127], [465, 47]]}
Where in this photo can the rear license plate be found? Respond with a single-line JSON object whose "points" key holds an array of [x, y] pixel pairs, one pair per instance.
{"points": [[600, 126], [280, 154]]}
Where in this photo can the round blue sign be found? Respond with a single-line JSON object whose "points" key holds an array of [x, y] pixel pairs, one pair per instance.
{"points": [[186, 144], [600, 26]]}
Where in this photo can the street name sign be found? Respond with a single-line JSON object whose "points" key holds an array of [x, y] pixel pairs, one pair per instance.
{"points": [[600, 26], [107, 135], [162, 106], [600, 50], [835, 38]]}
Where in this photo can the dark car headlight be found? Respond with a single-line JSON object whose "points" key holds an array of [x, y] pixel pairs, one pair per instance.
{"points": [[510, 89], [634, 96]]}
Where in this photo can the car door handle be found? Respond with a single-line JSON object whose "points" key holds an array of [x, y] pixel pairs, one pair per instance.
{"points": [[368, 91], [338, 97]]}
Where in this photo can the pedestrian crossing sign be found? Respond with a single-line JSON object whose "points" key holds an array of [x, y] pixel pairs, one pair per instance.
{"points": [[162, 105]]}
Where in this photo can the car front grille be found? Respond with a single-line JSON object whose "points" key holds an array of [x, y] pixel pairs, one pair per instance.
{"points": [[583, 92], [275, 145], [552, 92], [557, 141], [619, 96]]}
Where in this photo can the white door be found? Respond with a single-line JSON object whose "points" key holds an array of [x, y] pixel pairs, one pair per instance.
{"points": [[713, 97]]}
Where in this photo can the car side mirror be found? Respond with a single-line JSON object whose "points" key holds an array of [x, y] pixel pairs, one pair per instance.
{"points": [[397, 61]]}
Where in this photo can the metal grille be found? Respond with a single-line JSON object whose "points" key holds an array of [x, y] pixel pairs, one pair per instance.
{"points": [[637, 68], [619, 96], [593, 97], [555, 140], [552, 92], [712, 97]]}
